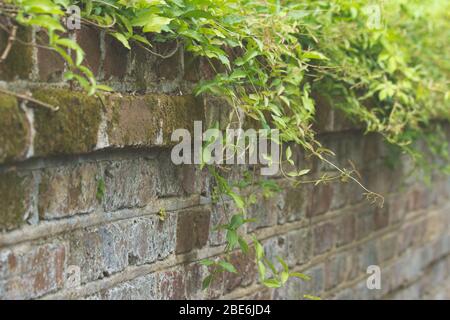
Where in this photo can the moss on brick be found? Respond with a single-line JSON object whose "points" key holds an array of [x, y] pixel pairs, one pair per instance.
{"points": [[14, 129], [12, 200], [150, 120], [72, 129], [19, 63]]}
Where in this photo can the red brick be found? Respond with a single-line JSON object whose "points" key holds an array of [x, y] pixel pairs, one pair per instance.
{"points": [[192, 230]]}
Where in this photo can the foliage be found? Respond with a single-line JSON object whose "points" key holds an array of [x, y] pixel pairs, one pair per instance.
{"points": [[271, 57]]}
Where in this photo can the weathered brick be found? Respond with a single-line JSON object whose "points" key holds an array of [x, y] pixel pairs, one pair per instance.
{"points": [[151, 119], [296, 201], [299, 246], [192, 230], [73, 129], [70, 190], [130, 183], [90, 41], [115, 61], [171, 284], [322, 196], [365, 222], [15, 130], [19, 62], [323, 237], [345, 230], [151, 239], [17, 199], [265, 211], [51, 66], [32, 271], [99, 251], [246, 271]]}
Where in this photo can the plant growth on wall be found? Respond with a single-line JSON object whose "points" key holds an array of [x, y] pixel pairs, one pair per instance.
{"points": [[386, 61]]}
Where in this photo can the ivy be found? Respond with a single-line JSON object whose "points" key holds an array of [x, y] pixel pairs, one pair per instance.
{"points": [[384, 64]]}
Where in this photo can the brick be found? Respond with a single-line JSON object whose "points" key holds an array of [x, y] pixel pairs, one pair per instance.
{"points": [[130, 184], [368, 255], [89, 40], [221, 213], [19, 62], [171, 284], [246, 271], [295, 204], [150, 120], [115, 61], [170, 68], [17, 199], [323, 237], [192, 230], [322, 196], [381, 217], [141, 288], [345, 230], [15, 130], [73, 129], [265, 211], [365, 222], [33, 271], [51, 66], [99, 251], [151, 239], [388, 247], [299, 246], [66, 191]]}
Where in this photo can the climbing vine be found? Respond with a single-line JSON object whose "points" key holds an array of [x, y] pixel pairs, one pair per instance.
{"points": [[383, 63]]}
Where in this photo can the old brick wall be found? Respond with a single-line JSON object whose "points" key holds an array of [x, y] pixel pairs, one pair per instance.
{"points": [[82, 188]]}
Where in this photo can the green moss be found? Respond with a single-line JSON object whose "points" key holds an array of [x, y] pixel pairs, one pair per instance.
{"points": [[14, 129], [175, 112], [12, 205], [19, 62], [72, 129]]}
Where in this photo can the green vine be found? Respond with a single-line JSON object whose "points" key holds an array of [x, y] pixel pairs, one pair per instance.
{"points": [[383, 63]]}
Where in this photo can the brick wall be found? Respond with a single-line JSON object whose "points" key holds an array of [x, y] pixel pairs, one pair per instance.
{"points": [[81, 190]]}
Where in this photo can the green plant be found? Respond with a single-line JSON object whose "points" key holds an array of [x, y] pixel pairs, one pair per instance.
{"points": [[271, 57]]}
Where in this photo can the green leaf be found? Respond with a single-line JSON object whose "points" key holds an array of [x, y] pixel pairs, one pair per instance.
{"points": [[207, 262], [300, 275], [244, 245], [156, 24], [227, 266], [121, 37], [310, 297], [207, 282], [314, 55], [272, 283], [232, 238], [258, 249]]}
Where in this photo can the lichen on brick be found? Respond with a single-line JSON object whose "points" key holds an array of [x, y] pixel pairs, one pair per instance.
{"points": [[72, 129], [14, 129]]}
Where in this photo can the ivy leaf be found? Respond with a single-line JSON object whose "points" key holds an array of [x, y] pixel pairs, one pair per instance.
{"points": [[232, 238], [228, 266], [300, 275], [243, 244], [314, 55], [207, 282], [122, 39], [207, 262], [156, 24], [272, 283]]}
